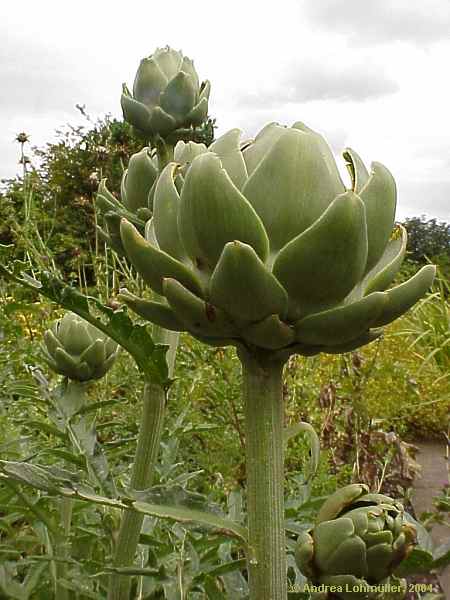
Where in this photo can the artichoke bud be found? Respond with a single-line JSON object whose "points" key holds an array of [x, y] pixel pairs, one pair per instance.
{"points": [[137, 180], [78, 350], [137, 183], [166, 95], [358, 541], [266, 235]]}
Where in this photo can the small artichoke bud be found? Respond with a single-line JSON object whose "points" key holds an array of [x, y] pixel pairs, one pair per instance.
{"points": [[137, 180], [166, 95], [135, 203], [137, 191], [358, 541], [78, 350]]}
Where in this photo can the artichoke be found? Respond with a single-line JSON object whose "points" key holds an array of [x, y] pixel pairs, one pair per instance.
{"points": [[265, 246], [166, 95], [137, 184], [74, 348], [358, 541]]}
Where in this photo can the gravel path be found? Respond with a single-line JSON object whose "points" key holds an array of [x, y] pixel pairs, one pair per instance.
{"points": [[432, 458]]}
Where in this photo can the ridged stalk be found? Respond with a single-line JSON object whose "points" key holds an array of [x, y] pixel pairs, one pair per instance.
{"points": [[73, 399], [264, 424], [149, 440], [62, 549]]}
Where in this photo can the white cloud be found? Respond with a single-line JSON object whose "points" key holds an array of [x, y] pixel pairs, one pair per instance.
{"points": [[311, 79], [382, 21]]}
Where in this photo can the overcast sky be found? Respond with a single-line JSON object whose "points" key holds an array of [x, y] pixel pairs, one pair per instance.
{"points": [[372, 74]]}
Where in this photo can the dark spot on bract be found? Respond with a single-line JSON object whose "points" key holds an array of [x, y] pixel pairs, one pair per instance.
{"points": [[210, 312]]}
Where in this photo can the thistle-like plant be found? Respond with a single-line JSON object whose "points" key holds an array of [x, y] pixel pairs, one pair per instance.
{"points": [[262, 246]]}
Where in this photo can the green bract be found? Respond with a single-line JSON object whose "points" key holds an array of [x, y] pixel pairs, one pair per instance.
{"points": [[166, 95], [78, 350], [358, 541], [137, 184], [137, 191], [264, 245]]}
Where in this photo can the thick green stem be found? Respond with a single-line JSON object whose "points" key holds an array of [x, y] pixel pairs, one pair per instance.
{"points": [[73, 399], [142, 475], [164, 151], [148, 444], [63, 547], [264, 424]]}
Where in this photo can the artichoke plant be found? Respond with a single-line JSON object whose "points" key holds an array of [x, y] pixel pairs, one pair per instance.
{"points": [[167, 95], [78, 350], [267, 248], [261, 245], [357, 542]]}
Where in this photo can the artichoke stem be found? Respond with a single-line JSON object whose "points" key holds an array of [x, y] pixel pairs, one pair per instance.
{"points": [[264, 422], [73, 398], [63, 547], [149, 439], [142, 475], [164, 151]]}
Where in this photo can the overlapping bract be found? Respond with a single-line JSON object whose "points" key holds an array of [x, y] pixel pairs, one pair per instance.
{"points": [[78, 350], [263, 244], [136, 198], [359, 539], [166, 95]]}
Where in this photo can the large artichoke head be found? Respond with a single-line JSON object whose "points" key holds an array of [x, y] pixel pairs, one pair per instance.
{"points": [[265, 246], [166, 95], [78, 350], [358, 541], [135, 202]]}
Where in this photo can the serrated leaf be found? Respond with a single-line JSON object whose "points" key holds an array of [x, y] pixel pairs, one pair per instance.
{"points": [[65, 455], [418, 561], [228, 567], [314, 441], [187, 515], [81, 589], [46, 428], [130, 571], [442, 555], [94, 406], [33, 475]]}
